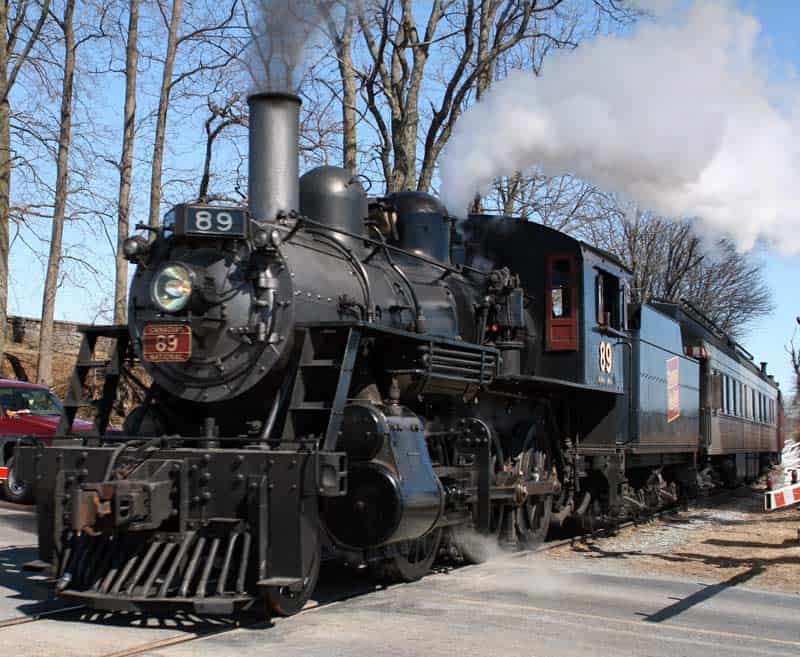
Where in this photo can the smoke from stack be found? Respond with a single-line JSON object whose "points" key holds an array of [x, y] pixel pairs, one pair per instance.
{"points": [[679, 115], [284, 31]]}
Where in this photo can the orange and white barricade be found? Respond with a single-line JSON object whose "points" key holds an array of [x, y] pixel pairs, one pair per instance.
{"points": [[782, 497]]}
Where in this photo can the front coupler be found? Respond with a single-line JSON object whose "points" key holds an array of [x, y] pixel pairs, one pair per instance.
{"points": [[128, 527]]}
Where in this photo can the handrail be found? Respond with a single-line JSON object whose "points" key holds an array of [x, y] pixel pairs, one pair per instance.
{"points": [[300, 219]]}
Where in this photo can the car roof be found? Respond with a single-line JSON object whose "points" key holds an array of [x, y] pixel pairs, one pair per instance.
{"points": [[13, 383]]}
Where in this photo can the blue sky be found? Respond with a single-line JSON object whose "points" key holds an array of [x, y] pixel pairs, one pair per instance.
{"points": [[766, 339]]}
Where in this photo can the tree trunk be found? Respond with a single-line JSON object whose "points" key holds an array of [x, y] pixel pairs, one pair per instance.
{"points": [[161, 119], [126, 163], [345, 54], [5, 180], [45, 365]]}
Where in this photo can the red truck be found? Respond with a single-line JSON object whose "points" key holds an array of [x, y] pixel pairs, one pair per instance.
{"points": [[26, 409]]}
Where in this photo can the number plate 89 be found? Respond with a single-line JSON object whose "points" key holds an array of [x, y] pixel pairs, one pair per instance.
{"points": [[166, 343], [227, 222]]}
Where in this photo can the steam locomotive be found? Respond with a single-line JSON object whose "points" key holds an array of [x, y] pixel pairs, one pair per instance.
{"points": [[374, 381]]}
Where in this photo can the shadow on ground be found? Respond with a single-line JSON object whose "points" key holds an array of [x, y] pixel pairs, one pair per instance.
{"points": [[702, 595]]}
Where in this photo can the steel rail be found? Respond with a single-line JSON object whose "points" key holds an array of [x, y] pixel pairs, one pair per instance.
{"points": [[178, 639], [43, 615], [552, 545]]}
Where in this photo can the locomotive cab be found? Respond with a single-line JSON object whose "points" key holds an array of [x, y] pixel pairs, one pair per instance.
{"points": [[576, 298]]}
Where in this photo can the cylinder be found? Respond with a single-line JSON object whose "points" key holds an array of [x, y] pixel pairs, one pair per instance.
{"points": [[364, 429], [273, 171]]}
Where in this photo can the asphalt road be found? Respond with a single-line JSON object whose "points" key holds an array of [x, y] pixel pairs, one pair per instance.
{"points": [[515, 605]]}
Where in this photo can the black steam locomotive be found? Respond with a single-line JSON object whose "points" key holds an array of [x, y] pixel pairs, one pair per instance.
{"points": [[375, 381]]}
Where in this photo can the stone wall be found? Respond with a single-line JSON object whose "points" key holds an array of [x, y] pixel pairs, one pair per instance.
{"points": [[23, 332], [22, 350]]}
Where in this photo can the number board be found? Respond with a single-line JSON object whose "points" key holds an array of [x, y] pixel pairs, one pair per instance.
{"points": [[166, 343], [210, 221]]}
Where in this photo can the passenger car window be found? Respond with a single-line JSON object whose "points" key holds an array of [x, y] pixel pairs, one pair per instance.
{"points": [[725, 393]]}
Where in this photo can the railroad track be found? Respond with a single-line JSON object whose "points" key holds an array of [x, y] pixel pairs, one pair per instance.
{"points": [[339, 597], [709, 501], [42, 615], [206, 632]]}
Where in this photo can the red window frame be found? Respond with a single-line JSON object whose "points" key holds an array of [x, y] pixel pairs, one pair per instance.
{"points": [[561, 333]]}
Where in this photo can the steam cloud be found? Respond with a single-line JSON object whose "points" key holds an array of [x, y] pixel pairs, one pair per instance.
{"points": [[283, 33], [679, 116]]}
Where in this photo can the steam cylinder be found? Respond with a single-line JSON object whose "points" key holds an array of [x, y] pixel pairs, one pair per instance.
{"points": [[273, 160], [393, 493]]}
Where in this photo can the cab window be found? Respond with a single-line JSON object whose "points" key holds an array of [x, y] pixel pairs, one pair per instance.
{"points": [[607, 300], [561, 312], [561, 290]]}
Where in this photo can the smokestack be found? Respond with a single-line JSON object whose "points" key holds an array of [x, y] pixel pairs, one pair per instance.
{"points": [[273, 161], [763, 367]]}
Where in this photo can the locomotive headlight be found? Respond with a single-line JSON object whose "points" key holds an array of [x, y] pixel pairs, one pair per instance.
{"points": [[172, 287]]}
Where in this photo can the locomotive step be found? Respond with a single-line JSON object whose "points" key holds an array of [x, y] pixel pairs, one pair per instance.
{"points": [[280, 581], [221, 605]]}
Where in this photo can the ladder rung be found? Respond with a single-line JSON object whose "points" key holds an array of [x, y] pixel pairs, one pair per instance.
{"points": [[83, 403], [322, 362], [312, 406], [94, 363], [113, 331]]}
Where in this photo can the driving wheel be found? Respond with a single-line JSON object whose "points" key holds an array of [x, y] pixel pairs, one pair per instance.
{"points": [[533, 515], [412, 559], [287, 601]]}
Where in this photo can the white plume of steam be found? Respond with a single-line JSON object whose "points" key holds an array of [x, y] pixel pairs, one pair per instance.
{"points": [[284, 31], [678, 115], [790, 460]]}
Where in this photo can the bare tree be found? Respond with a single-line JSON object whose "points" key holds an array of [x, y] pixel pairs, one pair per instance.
{"points": [[45, 362], [564, 202], [18, 34], [470, 37], [342, 40], [126, 162], [220, 117], [163, 105], [221, 57], [670, 261], [794, 354]]}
